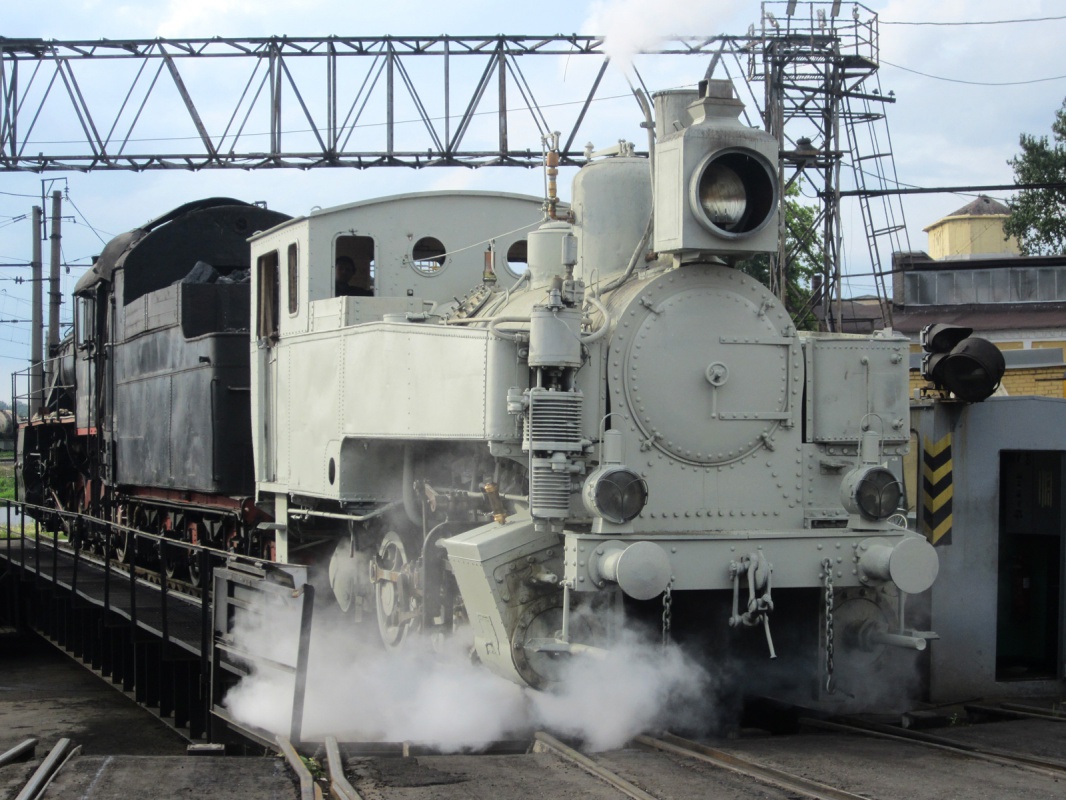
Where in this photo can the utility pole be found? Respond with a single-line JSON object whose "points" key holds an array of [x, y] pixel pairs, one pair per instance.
{"points": [[37, 317], [54, 297]]}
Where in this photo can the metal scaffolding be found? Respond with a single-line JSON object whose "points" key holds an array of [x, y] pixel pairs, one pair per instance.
{"points": [[824, 103], [468, 101]]}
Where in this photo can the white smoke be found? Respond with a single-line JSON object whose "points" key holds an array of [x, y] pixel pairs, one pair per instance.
{"points": [[637, 687], [630, 26], [437, 697]]}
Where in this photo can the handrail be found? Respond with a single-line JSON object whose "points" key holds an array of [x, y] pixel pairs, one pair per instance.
{"points": [[49, 368], [118, 527], [78, 525]]}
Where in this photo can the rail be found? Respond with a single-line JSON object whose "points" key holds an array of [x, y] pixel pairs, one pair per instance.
{"points": [[309, 790], [790, 782], [20, 752], [545, 742], [38, 782], [1045, 766]]}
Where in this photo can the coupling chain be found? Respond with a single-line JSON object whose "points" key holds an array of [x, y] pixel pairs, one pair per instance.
{"points": [[827, 581], [668, 604]]}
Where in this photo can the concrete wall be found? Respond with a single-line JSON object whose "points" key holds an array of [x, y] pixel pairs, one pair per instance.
{"points": [[964, 598]]}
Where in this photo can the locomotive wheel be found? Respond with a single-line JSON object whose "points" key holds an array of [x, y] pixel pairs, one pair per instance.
{"points": [[121, 544], [206, 533], [172, 527], [397, 606]]}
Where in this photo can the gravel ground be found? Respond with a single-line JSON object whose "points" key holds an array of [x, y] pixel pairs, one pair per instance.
{"points": [[126, 752], [889, 770]]}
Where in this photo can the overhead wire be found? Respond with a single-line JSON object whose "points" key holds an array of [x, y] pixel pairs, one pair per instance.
{"points": [[84, 219], [962, 23], [973, 83]]}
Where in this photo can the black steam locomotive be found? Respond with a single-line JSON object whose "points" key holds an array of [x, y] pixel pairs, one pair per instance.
{"points": [[144, 415]]}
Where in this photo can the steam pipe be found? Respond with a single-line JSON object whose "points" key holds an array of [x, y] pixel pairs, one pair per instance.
{"points": [[589, 650], [637, 255], [377, 512], [599, 333], [551, 166], [649, 125], [496, 321], [479, 320], [899, 640]]}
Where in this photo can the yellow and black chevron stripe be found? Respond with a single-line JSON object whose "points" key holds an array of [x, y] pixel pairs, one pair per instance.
{"points": [[937, 490]]}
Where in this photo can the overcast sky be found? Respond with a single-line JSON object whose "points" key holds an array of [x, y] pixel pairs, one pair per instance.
{"points": [[963, 95]]}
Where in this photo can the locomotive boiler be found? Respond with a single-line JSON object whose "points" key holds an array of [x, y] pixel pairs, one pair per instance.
{"points": [[600, 413]]}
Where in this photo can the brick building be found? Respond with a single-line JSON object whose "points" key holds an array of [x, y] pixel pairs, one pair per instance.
{"points": [[973, 277]]}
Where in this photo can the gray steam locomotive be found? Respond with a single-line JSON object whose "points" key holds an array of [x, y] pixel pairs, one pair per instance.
{"points": [[601, 414], [524, 417]]}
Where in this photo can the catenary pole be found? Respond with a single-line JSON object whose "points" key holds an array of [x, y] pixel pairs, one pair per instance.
{"points": [[37, 317], [54, 297]]}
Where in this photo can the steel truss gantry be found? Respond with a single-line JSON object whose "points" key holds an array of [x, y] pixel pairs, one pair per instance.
{"points": [[424, 101], [317, 102]]}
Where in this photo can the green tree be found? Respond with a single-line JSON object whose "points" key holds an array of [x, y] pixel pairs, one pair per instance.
{"points": [[1038, 216], [804, 253]]}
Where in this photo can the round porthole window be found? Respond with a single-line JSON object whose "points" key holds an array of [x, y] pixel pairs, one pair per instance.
{"points": [[518, 258], [428, 256]]}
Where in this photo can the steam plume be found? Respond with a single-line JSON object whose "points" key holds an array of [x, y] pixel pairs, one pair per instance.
{"points": [[630, 26], [435, 696]]}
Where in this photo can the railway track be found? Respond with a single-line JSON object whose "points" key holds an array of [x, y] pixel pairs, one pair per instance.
{"points": [[995, 755], [828, 761], [838, 761]]}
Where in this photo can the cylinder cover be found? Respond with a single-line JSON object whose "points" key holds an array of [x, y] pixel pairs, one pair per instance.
{"points": [[555, 337], [545, 252]]}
